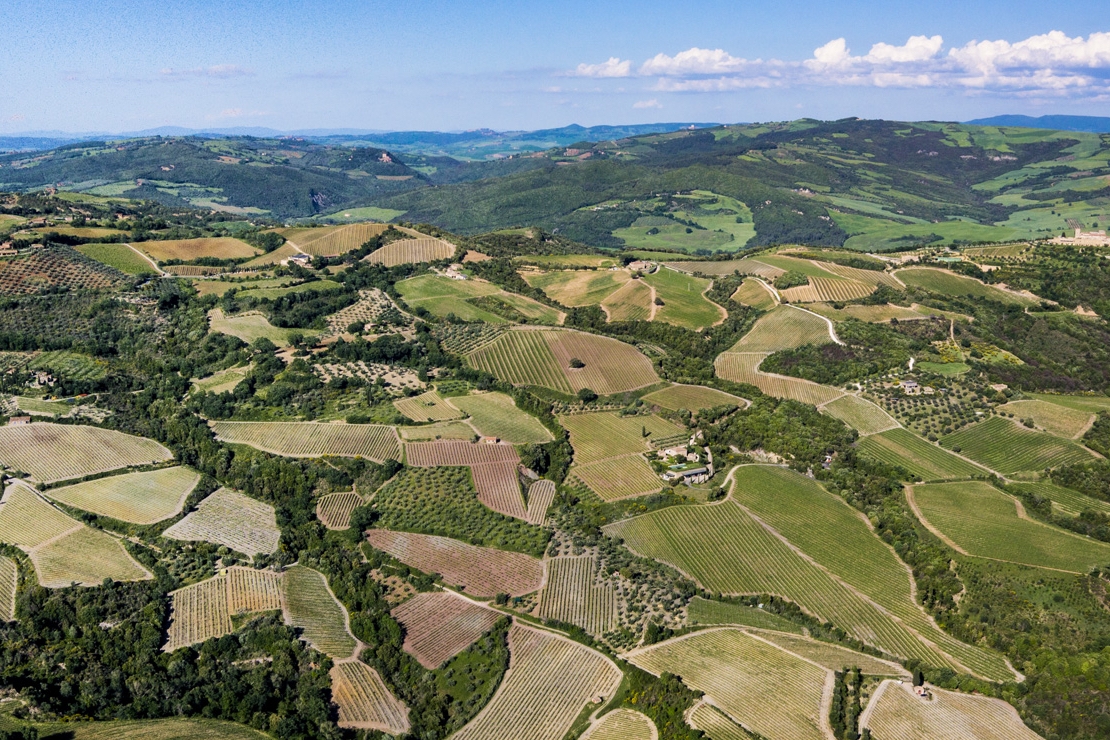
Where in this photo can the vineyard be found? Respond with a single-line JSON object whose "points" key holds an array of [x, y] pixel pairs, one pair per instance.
{"points": [[120, 256], [482, 571], [364, 700], [573, 594], [496, 415], [250, 590], [630, 302], [1003, 445], [551, 680], [499, 488], [186, 250], [311, 607], [827, 289], [231, 519], [332, 241], [9, 581], [1066, 500], [763, 688], [424, 249], [55, 267], [923, 459], [427, 407], [743, 367], [84, 556], [162, 729], [832, 657], [622, 724], [703, 612], [895, 713], [541, 495], [56, 452], [27, 521], [983, 521], [521, 358], [454, 452], [870, 314], [692, 397], [860, 414], [873, 278], [203, 610], [716, 724], [439, 626], [440, 430], [784, 328], [598, 436], [309, 439], [334, 509], [727, 267], [140, 498], [1051, 417], [753, 293], [619, 477], [948, 283], [683, 302]]}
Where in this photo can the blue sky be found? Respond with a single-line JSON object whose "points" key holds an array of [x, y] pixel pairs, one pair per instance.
{"points": [[118, 66]]}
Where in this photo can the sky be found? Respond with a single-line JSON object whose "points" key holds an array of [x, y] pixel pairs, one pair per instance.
{"points": [[115, 66]]}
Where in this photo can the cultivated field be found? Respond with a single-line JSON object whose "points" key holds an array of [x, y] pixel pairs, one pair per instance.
{"points": [[541, 495], [499, 488], [159, 729], [578, 287], [364, 700], [718, 613], [1008, 447], [622, 724], [493, 467], [728, 267], [473, 300], [1065, 500], [619, 477], [753, 293], [229, 518], [551, 680], [598, 436], [9, 580], [832, 657], [896, 714], [785, 327], [140, 498], [762, 687], [1052, 418], [310, 606], [573, 594], [692, 397], [983, 521], [249, 327], [203, 610], [405, 251], [827, 289], [334, 509], [223, 247], [860, 414], [482, 571], [948, 283], [683, 302], [871, 314], [440, 430], [537, 357], [119, 256], [743, 367], [427, 407], [439, 626], [630, 302], [309, 439], [57, 452], [919, 457], [331, 241], [715, 724], [496, 415]]}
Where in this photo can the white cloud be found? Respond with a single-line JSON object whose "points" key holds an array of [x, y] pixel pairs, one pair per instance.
{"points": [[916, 49], [833, 54], [612, 67], [653, 103], [694, 61], [217, 71]]}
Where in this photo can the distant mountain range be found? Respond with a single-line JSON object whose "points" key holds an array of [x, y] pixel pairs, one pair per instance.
{"points": [[1090, 124]]}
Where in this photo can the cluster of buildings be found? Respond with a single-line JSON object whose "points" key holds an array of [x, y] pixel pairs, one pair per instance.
{"points": [[685, 463]]}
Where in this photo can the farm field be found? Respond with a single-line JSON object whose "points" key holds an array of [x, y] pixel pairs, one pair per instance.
{"points": [[84, 556], [622, 724], [332, 241], [310, 439], [427, 407], [538, 357], [232, 519], [58, 452], [551, 681], [203, 610], [578, 287], [830, 656], [439, 626], [1066, 500], [619, 477], [683, 302], [406, 251], [870, 314], [715, 724], [496, 415], [334, 509], [1050, 417], [1008, 447], [919, 457], [439, 430], [120, 256], [983, 521], [692, 397], [743, 367], [9, 581], [364, 700], [948, 283], [1093, 404], [718, 613], [784, 327], [249, 327], [572, 594], [140, 498], [753, 293], [896, 714], [630, 302], [310, 606], [727, 267], [860, 414], [190, 249], [152, 729], [601, 435], [541, 495], [470, 300], [481, 571], [760, 686]]}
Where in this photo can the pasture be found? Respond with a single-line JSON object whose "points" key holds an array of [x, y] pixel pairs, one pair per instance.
{"points": [[551, 681], [783, 328], [541, 495], [743, 367], [919, 457], [982, 521], [683, 301], [57, 452], [311, 607], [692, 397], [407, 251], [578, 287], [896, 714], [249, 327], [575, 593], [542, 357], [139, 498], [364, 700], [334, 509], [427, 407], [231, 519], [310, 439], [443, 296], [622, 724], [756, 294], [120, 256], [727, 267], [619, 477], [951, 284], [1008, 447], [1051, 417], [330, 241], [481, 571], [9, 581], [496, 415], [186, 250], [760, 686], [860, 414], [440, 625]]}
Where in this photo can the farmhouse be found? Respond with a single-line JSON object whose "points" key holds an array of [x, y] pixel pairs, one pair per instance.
{"points": [[18, 421]]}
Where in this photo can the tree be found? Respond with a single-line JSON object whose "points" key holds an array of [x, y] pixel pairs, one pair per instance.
{"points": [[576, 363], [587, 396]]}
